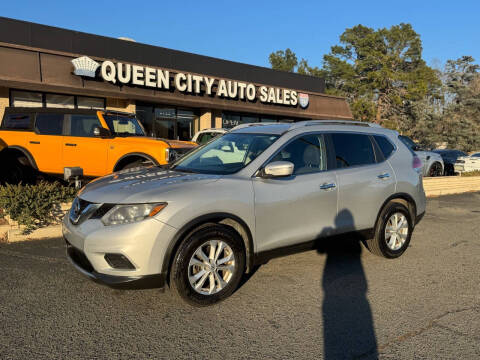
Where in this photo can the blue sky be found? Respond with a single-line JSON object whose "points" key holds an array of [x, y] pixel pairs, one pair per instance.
{"points": [[248, 31]]}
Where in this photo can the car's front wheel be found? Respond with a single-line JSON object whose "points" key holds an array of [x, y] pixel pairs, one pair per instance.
{"points": [[392, 232], [208, 265]]}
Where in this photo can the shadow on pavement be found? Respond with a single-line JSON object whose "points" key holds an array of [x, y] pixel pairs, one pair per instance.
{"points": [[348, 327]]}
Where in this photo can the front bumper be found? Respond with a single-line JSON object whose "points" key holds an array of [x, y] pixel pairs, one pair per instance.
{"points": [[143, 243], [80, 262]]}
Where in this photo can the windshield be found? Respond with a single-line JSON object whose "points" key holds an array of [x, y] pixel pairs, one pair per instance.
{"points": [[225, 155], [124, 125]]}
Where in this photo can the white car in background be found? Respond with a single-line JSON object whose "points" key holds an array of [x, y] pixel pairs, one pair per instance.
{"points": [[204, 136], [468, 163]]}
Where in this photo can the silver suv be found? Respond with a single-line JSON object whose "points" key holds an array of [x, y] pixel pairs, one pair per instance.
{"points": [[259, 191]]}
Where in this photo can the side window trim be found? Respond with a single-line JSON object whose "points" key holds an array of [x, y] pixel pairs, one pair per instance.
{"points": [[379, 158]]}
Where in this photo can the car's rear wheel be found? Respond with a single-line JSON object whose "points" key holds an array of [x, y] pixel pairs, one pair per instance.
{"points": [[435, 169], [393, 231], [208, 265]]}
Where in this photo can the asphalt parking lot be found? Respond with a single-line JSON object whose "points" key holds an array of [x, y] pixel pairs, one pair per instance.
{"points": [[338, 302]]}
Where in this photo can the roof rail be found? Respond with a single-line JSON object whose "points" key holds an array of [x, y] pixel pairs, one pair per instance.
{"points": [[242, 126], [333, 122]]}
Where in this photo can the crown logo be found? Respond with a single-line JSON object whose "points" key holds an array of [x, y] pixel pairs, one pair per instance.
{"points": [[84, 66]]}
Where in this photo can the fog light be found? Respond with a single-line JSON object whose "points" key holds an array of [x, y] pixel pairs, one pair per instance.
{"points": [[118, 261]]}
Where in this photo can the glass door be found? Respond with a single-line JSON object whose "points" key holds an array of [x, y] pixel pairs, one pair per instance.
{"points": [[185, 121], [165, 123]]}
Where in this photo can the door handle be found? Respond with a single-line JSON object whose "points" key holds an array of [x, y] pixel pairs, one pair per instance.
{"points": [[34, 142], [70, 144], [384, 176], [328, 186]]}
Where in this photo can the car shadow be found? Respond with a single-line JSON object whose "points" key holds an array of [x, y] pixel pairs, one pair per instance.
{"points": [[348, 328]]}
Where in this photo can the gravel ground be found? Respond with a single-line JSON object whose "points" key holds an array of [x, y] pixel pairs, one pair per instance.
{"points": [[337, 303]]}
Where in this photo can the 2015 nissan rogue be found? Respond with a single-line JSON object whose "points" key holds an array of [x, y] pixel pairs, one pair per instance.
{"points": [[241, 198]]}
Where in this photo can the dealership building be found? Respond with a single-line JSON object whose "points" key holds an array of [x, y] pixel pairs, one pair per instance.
{"points": [[173, 93]]}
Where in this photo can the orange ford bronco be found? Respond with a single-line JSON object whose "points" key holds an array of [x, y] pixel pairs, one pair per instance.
{"points": [[99, 142]]}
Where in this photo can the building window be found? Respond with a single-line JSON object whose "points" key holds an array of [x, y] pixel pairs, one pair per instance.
{"points": [[230, 120], [20, 98], [84, 102], [26, 99], [166, 121], [60, 101]]}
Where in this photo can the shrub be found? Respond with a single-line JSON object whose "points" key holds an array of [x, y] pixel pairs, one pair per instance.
{"points": [[35, 205], [471, 173]]}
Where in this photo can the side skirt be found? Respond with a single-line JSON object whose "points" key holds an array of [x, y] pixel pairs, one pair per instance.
{"points": [[264, 256]]}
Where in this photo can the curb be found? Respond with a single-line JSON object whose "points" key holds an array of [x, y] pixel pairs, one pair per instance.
{"points": [[9, 235], [447, 185]]}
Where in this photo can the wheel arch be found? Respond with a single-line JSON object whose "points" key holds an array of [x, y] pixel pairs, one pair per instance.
{"points": [[134, 155], [15, 149], [403, 198], [233, 221]]}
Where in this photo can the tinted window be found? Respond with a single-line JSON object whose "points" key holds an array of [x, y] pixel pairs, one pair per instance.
{"points": [[49, 124], [16, 121], [206, 137], [476, 155], [308, 154], [83, 125], [352, 150], [407, 144], [385, 145]]}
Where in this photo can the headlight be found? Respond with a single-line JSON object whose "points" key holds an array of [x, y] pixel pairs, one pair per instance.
{"points": [[125, 214]]}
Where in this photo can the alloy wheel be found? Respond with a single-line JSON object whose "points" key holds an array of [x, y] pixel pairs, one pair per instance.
{"points": [[396, 231], [211, 267]]}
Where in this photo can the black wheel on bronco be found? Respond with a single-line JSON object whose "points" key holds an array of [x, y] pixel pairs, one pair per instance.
{"points": [[208, 265], [137, 163], [392, 232], [14, 172]]}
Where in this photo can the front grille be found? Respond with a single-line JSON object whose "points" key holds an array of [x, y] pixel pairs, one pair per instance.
{"points": [[79, 258], [82, 210], [177, 153]]}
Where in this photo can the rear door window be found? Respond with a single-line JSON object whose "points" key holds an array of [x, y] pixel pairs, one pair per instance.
{"points": [[385, 145], [17, 121], [49, 124], [352, 149]]}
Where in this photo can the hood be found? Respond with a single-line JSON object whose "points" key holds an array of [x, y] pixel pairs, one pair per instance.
{"points": [[170, 143], [141, 185], [179, 143]]}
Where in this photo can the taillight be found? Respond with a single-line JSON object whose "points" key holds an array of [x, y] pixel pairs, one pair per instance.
{"points": [[417, 164]]}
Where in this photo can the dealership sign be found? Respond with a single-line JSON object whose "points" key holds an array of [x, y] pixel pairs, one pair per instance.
{"points": [[137, 75]]}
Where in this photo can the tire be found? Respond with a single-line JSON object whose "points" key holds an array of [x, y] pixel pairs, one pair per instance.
{"points": [[184, 266], [435, 170], [137, 163], [16, 173], [387, 247]]}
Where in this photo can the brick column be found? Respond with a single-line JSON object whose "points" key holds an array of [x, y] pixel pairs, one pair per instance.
{"points": [[4, 101]]}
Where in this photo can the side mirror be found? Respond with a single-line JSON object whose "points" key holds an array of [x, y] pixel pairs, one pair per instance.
{"points": [[101, 132], [278, 169]]}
